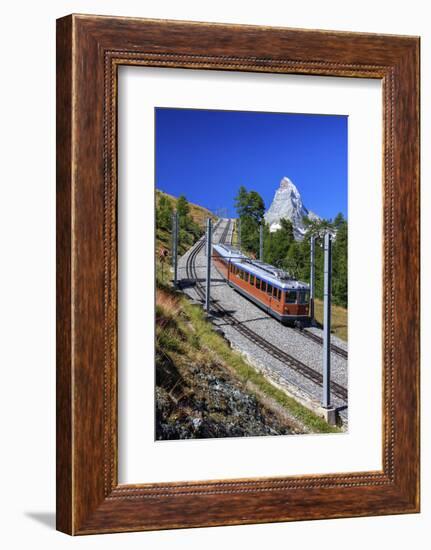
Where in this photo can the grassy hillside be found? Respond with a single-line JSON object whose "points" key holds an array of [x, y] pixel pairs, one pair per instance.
{"points": [[205, 389], [338, 319]]}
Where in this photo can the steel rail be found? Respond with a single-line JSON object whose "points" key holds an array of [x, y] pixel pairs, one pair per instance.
{"points": [[319, 340], [246, 331], [310, 335]]}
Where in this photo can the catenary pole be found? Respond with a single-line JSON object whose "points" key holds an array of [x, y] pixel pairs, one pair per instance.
{"points": [[175, 246], [261, 242], [239, 233], [208, 281], [327, 275], [312, 276]]}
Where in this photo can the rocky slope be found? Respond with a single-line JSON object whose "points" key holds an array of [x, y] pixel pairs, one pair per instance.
{"points": [[207, 402], [197, 393]]}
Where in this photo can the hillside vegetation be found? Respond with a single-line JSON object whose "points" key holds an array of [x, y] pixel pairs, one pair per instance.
{"points": [[205, 389], [192, 220]]}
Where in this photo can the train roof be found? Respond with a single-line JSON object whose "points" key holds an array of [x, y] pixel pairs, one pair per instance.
{"points": [[272, 275]]}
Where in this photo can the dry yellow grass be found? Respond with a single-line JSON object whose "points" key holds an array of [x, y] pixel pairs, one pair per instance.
{"points": [[168, 302], [200, 214], [338, 321]]}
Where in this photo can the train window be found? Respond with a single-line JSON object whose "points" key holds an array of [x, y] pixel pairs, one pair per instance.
{"points": [[278, 294], [252, 279], [263, 286], [257, 283], [269, 289], [245, 276], [290, 297], [303, 297], [275, 292]]}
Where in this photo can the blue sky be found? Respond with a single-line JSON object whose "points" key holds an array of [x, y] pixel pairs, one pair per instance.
{"points": [[206, 155]]}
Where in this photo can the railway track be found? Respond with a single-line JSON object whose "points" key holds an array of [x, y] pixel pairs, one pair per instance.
{"points": [[225, 233], [310, 335], [250, 334], [319, 340]]}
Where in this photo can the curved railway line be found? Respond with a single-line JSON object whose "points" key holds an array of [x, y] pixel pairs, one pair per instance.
{"points": [[250, 334], [310, 335]]}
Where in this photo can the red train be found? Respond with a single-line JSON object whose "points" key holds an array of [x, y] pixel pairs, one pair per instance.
{"points": [[270, 288]]}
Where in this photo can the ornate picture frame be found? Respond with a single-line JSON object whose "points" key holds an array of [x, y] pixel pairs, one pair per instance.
{"points": [[89, 51]]}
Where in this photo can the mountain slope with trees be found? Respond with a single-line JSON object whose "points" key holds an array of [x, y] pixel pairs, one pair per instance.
{"points": [[191, 217]]}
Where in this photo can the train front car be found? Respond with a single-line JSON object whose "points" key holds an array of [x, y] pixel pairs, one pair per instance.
{"points": [[270, 288], [296, 304]]}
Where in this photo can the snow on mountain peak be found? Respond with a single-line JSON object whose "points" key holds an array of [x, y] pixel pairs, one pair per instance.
{"points": [[287, 183], [287, 203]]}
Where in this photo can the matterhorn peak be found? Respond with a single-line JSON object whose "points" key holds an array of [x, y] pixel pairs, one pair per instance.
{"points": [[287, 203], [287, 183]]}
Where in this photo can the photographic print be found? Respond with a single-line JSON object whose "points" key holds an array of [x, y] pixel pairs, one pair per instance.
{"points": [[216, 385], [251, 274]]}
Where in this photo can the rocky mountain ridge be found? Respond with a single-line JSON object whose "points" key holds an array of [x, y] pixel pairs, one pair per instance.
{"points": [[287, 203]]}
